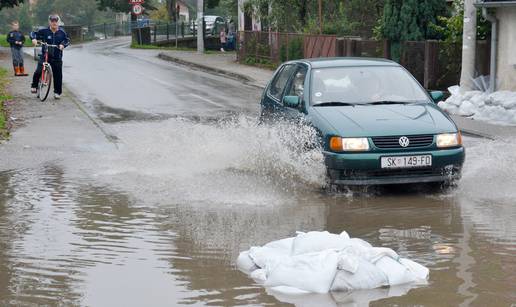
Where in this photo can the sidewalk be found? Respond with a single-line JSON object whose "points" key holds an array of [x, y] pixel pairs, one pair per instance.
{"points": [[44, 131], [226, 65], [222, 64]]}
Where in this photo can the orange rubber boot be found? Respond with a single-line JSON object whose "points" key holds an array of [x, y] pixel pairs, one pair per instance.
{"points": [[22, 71]]}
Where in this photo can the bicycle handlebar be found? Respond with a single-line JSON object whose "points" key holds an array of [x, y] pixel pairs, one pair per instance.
{"points": [[40, 43]]}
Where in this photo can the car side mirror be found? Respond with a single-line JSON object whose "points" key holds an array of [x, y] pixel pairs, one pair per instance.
{"points": [[437, 96], [292, 101]]}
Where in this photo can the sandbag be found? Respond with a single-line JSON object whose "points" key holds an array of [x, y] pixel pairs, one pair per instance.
{"points": [[318, 262], [315, 241], [367, 276], [245, 263], [309, 272], [396, 273]]}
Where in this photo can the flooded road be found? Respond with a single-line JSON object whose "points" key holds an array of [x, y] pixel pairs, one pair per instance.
{"points": [[159, 219]]}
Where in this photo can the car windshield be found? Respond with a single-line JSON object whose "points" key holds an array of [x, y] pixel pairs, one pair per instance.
{"points": [[210, 18], [363, 85]]}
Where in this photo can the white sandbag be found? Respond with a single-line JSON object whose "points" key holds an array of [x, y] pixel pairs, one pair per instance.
{"points": [[261, 255], [315, 241], [308, 272], [259, 275], [319, 261], [396, 273], [367, 276], [498, 107], [421, 272], [245, 263]]}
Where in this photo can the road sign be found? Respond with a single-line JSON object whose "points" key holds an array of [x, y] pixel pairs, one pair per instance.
{"points": [[137, 9], [133, 2]]}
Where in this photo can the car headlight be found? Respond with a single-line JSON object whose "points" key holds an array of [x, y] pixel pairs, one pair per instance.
{"points": [[339, 144], [449, 140]]}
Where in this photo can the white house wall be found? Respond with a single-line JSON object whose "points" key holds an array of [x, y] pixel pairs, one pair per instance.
{"points": [[506, 75]]}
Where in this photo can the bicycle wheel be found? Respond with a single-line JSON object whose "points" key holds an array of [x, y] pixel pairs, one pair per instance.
{"points": [[45, 82]]}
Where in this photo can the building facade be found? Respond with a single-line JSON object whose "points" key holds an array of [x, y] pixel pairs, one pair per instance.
{"points": [[505, 47], [246, 21]]}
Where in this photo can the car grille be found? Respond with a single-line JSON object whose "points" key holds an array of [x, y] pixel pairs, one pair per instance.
{"points": [[393, 142], [417, 172]]}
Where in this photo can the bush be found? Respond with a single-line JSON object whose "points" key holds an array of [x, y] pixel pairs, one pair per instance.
{"points": [[294, 50]]}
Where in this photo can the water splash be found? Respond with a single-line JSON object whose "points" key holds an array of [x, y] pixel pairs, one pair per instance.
{"points": [[236, 160]]}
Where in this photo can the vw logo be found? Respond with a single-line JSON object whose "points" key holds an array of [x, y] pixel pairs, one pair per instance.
{"points": [[404, 141]]}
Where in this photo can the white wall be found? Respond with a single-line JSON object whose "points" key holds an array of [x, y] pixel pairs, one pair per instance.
{"points": [[256, 23], [506, 75]]}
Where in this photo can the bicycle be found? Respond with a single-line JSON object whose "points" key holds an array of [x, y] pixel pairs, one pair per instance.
{"points": [[45, 81]]}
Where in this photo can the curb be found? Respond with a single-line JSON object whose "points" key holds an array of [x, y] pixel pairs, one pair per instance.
{"points": [[232, 75], [476, 134]]}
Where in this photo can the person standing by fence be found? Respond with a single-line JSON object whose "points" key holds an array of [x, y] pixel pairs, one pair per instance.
{"points": [[16, 39], [223, 39]]}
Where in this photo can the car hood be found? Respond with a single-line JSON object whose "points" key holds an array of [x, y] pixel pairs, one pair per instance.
{"points": [[382, 120]]}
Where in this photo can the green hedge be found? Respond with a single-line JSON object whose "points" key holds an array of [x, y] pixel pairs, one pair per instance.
{"points": [[3, 97]]}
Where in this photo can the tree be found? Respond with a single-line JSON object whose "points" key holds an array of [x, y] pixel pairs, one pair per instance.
{"points": [[81, 12], [20, 13], [9, 3], [341, 17], [411, 19]]}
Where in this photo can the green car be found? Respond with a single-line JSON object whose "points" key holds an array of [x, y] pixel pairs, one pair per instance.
{"points": [[377, 124]]}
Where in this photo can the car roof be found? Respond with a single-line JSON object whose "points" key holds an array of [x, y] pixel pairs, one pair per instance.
{"points": [[346, 61]]}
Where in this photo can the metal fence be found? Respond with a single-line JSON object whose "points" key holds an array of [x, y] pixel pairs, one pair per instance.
{"points": [[106, 30]]}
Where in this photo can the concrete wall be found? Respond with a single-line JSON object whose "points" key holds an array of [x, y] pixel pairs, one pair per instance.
{"points": [[506, 75]]}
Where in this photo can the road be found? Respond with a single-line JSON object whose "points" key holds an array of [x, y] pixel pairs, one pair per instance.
{"points": [[145, 187]]}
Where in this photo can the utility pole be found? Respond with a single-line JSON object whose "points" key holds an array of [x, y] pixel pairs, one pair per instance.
{"points": [[320, 17], [469, 46], [200, 27]]}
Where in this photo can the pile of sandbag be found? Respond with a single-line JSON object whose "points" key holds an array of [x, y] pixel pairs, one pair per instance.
{"points": [[320, 262], [498, 107]]}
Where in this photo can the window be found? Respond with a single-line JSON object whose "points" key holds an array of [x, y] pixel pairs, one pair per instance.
{"points": [[279, 83], [297, 87]]}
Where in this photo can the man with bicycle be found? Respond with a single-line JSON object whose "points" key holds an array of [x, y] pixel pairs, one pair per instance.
{"points": [[53, 35]]}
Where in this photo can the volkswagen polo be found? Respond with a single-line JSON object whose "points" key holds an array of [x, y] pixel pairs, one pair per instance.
{"points": [[377, 125]]}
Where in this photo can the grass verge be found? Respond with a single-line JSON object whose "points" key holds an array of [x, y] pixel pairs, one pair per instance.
{"points": [[4, 132]]}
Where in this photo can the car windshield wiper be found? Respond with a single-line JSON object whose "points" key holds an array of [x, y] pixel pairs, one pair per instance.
{"points": [[334, 104], [382, 102]]}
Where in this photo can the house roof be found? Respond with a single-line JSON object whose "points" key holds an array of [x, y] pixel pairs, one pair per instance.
{"points": [[495, 3]]}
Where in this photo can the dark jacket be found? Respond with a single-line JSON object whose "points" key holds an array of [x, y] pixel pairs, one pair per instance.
{"points": [[15, 36], [58, 38]]}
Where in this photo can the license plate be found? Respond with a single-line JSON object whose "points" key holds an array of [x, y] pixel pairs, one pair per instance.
{"points": [[407, 161]]}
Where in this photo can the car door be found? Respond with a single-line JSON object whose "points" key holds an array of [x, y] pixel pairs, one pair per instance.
{"points": [[272, 105], [296, 87]]}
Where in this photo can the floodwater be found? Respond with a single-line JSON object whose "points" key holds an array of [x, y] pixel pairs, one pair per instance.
{"points": [[154, 210], [162, 226]]}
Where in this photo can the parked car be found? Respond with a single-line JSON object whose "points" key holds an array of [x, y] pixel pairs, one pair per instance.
{"points": [[213, 25], [377, 125]]}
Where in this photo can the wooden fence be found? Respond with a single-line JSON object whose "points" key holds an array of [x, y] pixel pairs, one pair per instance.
{"points": [[435, 64]]}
